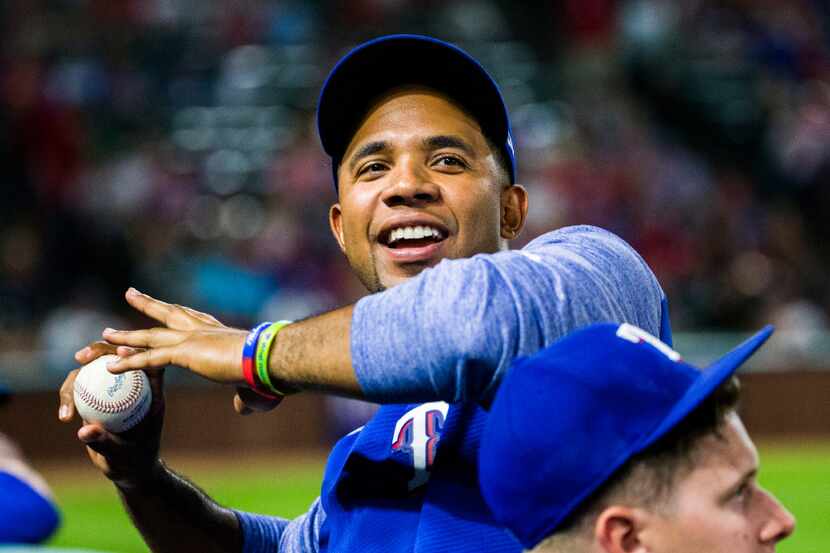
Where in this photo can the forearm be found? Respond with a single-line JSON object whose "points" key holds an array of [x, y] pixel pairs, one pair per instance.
{"points": [[315, 354], [173, 515]]}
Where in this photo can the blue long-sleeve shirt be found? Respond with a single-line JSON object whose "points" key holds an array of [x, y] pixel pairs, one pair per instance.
{"points": [[446, 337]]}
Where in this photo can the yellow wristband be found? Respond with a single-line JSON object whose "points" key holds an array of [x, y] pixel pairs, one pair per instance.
{"points": [[263, 352]]}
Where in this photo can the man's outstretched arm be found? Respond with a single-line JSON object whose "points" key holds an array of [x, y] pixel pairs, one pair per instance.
{"points": [[313, 354], [449, 333]]}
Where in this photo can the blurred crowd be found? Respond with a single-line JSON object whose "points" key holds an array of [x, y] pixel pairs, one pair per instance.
{"points": [[170, 145]]}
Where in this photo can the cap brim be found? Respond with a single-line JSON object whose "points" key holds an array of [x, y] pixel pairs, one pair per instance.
{"points": [[388, 62], [711, 377]]}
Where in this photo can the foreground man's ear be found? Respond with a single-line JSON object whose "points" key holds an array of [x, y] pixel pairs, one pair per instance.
{"points": [[336, 224], [513, 211], [618, 530]]}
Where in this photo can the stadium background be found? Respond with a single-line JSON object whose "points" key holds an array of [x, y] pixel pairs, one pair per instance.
{"points": [[170, 145]]}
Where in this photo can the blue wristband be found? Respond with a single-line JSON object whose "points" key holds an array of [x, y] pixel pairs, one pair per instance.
{"points": [[248, 352]]}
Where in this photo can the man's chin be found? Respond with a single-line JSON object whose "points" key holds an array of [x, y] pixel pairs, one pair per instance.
{"points": [[401, 273], [392, 280]]}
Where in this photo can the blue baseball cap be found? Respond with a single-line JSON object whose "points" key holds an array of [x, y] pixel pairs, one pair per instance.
{"points": [[382, 64], [564, 420]]}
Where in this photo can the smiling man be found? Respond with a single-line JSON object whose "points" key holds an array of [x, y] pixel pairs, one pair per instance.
{"points": [[657, 459], [428, 201], [458, 166]]}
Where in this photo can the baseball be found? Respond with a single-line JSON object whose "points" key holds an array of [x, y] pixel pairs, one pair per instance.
{"points": [[116, 401]]}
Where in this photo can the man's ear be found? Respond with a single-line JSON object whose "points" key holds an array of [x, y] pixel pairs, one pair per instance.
{"points": [[336, 224], [513, 211], [618, 530]]}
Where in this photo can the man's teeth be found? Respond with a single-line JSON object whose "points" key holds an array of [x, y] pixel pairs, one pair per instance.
{"points": [[413, 233]]}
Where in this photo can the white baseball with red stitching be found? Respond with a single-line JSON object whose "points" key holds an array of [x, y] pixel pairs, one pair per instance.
{"points": [[116, 401]]}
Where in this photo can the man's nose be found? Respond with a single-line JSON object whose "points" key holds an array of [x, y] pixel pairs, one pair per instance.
{"points": [[780, 523], [410, 186]]}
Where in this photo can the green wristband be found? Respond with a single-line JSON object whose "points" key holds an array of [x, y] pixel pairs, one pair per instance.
{"points": [[263, 351]]}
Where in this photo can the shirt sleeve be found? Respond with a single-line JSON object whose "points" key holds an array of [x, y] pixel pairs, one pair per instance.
{"points": [[268, 534], [26, 516], [451, 332]]}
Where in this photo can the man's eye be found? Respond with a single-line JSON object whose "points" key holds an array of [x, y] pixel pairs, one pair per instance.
{"points": [[743, 492], [372, 168], [450, 161]]}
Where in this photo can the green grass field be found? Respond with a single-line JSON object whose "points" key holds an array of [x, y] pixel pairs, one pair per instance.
{"points": [[93, 518]]}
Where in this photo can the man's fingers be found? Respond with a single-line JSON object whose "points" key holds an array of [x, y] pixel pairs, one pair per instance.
{"points": [[93, 351], [149, 359], [66, 409], [99, 440], [171, 316], [240, 407], [153, 308], [247, 401], [206, 318], [150, 338], [67, 401], [126, 351], [89, 433]]}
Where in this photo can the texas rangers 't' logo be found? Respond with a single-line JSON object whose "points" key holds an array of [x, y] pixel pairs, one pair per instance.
{"points": [[637, 335], [416, 434]]}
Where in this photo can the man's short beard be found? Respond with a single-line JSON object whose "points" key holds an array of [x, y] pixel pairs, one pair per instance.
{"points": [[370, 281]]}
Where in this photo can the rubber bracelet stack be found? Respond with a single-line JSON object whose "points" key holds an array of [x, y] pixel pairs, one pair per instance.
{"points": [[263, 352], [249, 365]]}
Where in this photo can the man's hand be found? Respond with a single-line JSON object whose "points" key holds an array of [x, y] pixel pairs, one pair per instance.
{"points": [[127, 458], [189, 339], [318, 356], [190, 329], [170, 513]]}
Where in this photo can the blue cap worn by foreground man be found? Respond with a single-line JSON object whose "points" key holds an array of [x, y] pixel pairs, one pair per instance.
{"points": [[387, 63], [608, 441]]}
